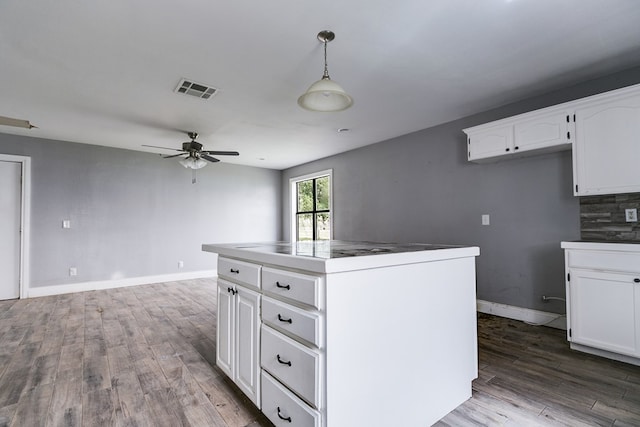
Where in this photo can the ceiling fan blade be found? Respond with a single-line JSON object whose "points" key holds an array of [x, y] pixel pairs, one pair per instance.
{"points": [[173, 155], [164, 148], [8, 121], [222, 153], [209, 158]]}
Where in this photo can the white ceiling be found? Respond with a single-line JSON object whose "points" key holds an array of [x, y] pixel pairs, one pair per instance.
{"points": [[104, 72]]}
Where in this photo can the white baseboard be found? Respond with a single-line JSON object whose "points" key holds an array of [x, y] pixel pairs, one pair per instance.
{"points": [[528, 315], [116, 283]]}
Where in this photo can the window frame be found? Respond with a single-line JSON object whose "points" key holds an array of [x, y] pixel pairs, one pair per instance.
{"points": [[293, 197]]}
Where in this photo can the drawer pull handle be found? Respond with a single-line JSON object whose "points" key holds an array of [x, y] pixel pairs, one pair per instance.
{"points": [[287, 287], [284, 362], [233, 291], [283, 418], [282, 319], [235, 270], [637, 280]]}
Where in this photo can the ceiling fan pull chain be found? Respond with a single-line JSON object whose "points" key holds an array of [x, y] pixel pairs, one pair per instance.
{"points": [[193, 176]]}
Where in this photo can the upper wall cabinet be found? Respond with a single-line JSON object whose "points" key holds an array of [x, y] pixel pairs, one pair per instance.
{"points": [[538, 132], [606, 159], [604, 130]]}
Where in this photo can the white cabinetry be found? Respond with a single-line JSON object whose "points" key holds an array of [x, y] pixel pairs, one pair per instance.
{"points": [[292, 347], [488, 143], [603, 299], [607, 153], [531, 133], [603, 129], [238, 327], [343, 335]]}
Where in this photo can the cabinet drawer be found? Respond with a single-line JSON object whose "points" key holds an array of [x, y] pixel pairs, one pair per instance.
{"points": [[301, 323], [239, 271], [283, 408], [295, 286], [602, 260], [295, 365]]}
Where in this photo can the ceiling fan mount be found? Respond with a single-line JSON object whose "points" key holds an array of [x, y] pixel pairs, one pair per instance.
{"points": [[192, 146]]}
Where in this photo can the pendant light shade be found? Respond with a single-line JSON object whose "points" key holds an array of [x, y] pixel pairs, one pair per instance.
{"points": [[325, 95], [193, 163]]}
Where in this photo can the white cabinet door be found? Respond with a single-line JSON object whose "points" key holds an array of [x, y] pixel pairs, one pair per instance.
{"points": [[238, 337], [247, 337], [544, 131], [603, 311], [492, 142], [607, 151], [225, 337]]}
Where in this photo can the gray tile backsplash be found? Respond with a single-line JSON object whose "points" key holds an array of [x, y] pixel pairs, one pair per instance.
{"points": [[602, 218]]}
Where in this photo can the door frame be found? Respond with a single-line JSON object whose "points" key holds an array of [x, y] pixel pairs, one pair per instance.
{"points": [[25, 218]]}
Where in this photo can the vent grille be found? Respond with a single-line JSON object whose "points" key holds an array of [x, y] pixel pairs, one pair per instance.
{"points": [[199, 90]]}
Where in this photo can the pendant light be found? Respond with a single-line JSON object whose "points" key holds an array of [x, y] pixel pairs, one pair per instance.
{"points": [[325, 95]]}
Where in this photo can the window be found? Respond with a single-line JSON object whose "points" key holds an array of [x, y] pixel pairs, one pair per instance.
{"points": [[311, 207]]}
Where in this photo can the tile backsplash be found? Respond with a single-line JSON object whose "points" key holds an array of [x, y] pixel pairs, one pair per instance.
{"points": [[602, 218]]}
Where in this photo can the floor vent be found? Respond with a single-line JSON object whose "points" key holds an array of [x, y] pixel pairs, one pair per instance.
{"points": [[199, 90]]}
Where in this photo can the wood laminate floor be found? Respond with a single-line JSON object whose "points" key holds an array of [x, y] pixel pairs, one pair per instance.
{"points": [[144, 356]]}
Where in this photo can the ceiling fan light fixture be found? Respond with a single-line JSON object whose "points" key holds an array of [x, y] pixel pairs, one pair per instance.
{"points": [[193, 163], [325, 95]]}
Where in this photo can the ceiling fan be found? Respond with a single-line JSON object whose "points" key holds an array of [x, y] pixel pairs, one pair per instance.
{"points": [[193, 155], [193, 150]]}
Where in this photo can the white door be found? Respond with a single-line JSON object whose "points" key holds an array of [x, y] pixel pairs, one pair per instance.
{"points": [[247, 357], [607, 151], [490, 143], [547, 131], [225, 339], [603, 310], [10, 221]]}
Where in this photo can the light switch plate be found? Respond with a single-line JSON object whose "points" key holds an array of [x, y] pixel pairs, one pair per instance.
{"points": [[66, 223], [485, 219], [631, 215]]}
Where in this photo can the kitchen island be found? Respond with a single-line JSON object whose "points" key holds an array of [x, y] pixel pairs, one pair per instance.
{"points": [[333, 333]]}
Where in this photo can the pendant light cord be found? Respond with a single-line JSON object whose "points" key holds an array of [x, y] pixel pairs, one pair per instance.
{"points": [[326, 68]]}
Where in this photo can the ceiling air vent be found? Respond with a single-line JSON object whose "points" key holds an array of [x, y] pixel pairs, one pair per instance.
{"points": [[199, 90]]}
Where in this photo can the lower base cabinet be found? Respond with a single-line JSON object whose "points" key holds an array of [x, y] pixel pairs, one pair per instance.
{"points": [[603, 299], [384, 340]]}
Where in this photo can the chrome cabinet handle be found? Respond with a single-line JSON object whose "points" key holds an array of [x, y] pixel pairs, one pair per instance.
{"points": [[283, 418], [287, 287], [284, 362], [282, 319]]}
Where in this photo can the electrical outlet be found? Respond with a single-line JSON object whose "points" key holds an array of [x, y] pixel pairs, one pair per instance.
{"points": [[73, 271], [66, 223], [631, 215], [180, 264], [485, 219]]}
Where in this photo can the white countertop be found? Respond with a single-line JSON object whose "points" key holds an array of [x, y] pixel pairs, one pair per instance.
{"points": [[601, 246], [331, 256]]}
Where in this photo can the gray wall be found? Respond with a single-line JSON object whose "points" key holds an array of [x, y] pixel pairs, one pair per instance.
{"points": [[420, 188], [135, 214]]}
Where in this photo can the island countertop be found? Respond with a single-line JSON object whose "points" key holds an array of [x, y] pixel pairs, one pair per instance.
{"points": [[331, 256]]}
